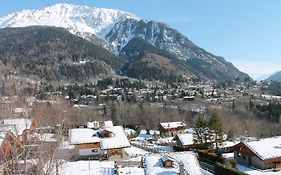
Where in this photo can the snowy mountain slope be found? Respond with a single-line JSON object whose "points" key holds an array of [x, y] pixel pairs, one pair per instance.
{"points": [[116, 28], [200, 62], [78, 19]]}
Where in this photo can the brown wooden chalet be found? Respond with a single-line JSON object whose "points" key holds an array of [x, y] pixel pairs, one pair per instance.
{"points": [[170, 129], [105, 143], [184, 141], [263, 154]]}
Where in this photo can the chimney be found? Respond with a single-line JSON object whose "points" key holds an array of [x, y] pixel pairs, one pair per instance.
{"points": [[181, 167]]}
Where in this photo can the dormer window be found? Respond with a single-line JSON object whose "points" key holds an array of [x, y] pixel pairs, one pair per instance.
{"points": [[167, 161], [105, 134]]}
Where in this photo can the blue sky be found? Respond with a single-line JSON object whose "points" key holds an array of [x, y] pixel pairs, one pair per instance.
{"points": [[245, 32]]}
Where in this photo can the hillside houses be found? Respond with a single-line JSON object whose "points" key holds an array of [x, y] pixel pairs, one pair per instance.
{"points": [[104, 143]]}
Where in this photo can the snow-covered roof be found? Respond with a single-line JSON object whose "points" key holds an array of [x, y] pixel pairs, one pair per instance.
{"points": [[87, 135], [119, 140], [186, 139], [170, 125], [167, 157], [83, 135], [16, 126], [266, 148], [154, 164]]}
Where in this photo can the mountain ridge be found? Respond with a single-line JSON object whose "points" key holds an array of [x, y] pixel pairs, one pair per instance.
{"points": [[53, 53], [116, 28], [274, 77]]}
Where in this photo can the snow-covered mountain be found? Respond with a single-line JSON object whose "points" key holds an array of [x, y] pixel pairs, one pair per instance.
{"points": [[116, 28], [78, 19]]}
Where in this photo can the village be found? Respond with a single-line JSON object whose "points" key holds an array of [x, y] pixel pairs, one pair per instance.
{"points": [[100, 147], [63, 135]]}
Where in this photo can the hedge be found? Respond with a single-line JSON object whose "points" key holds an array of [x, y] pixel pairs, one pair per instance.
{"points": [[221, 169]]}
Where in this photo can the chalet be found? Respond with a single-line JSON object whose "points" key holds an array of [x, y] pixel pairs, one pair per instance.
{"points": [[104, 143], [184, 141], [262, 154], [170, 129], [172, 163]]}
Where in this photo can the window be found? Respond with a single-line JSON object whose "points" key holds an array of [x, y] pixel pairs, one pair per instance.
{"points": [[94, 150], [239, 155]]}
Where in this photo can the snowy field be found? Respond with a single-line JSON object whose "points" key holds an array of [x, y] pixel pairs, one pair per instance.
{"points": [[134, 151], [131, 171], [251, 171], [88, 168]]}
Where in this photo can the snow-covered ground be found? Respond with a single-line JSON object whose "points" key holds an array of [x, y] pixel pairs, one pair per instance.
{"points": [[252, 171], [131, 171], [152, 147], [207, 172], [228, 155], [164, 140], [134, 151], [88, 168], [144, 135]]}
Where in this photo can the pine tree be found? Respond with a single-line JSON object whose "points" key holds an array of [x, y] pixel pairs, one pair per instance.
{"points": [[216, 128], [230, 135], [200, 131]]}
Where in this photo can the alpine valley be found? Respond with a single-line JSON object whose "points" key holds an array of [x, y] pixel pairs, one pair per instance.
{"points": [[93, 42]]}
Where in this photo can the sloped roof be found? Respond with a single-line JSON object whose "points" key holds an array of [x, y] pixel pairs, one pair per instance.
{"points": [[167, 157], [87, 135], [83, 135], [119, 140], [266, 148], [170, 125], [154, 164], [186, 139]]}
